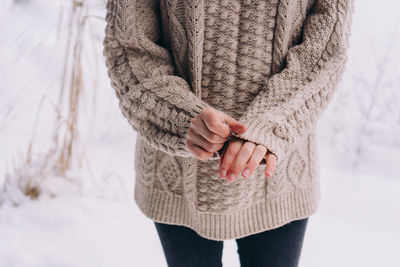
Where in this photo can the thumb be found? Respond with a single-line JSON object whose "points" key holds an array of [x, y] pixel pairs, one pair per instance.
{"points": [[236, 126]]}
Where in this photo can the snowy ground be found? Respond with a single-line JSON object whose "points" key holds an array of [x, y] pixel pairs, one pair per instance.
{"points": [[98, 223], [356, 225]]}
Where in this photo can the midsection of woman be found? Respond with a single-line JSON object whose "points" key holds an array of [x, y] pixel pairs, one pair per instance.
{"points": [[271, 64]]}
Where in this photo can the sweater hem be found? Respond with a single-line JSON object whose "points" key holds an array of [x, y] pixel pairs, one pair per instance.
{"points": [[164, 207]]}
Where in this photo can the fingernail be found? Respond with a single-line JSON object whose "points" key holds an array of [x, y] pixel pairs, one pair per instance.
{"points": [[269, 173], [231, 176], [223, 173], [246, 173]]}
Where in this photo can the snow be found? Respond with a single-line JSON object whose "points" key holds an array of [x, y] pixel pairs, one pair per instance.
{"points": [[93, 220], [76, 231], [356, 225]]}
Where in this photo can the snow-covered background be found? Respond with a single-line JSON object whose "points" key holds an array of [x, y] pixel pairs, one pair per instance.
{"points": [[93, 221]]}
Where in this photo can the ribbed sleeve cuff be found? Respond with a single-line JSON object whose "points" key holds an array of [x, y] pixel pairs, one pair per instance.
{"points": [[267, 134]]}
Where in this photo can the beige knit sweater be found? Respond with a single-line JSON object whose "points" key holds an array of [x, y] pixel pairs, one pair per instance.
{"points": [[271, 64]]}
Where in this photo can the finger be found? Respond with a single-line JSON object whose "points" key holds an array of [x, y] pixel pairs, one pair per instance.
{"points": [[255, 159], [233, 148], [202, 142], [271, 164], [214, 123], [240, 160], [201, 128], [236, 126], [197, 151]]}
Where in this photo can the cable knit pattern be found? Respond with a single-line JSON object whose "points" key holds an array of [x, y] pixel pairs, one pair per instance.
{"points": [[158, 104], [293, 100], [273, 65]]}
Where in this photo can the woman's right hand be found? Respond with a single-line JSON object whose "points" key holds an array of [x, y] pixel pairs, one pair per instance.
{"points": [[208, 132]]}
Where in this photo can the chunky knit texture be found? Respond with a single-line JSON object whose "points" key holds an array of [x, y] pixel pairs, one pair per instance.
{"points": [[273, 65]]}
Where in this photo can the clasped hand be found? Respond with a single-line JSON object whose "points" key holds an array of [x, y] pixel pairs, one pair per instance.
{"points": [[209, 132]]}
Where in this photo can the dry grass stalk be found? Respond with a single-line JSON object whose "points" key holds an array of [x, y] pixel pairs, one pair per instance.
{"points": [[27, 175]]}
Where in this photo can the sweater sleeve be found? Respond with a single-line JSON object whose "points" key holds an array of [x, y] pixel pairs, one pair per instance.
{"points": [[158, 104], [291, 101]]}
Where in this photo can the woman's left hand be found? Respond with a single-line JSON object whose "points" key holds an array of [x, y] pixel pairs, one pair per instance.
{"points": [[239, 154]]}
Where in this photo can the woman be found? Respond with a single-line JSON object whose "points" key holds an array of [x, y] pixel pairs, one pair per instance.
{"points": [[217, 87]]}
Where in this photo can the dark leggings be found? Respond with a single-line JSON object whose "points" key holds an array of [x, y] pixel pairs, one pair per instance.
{"points": [[279, 247]]}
